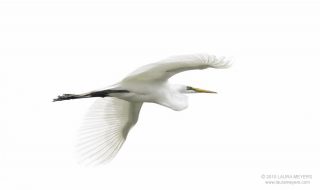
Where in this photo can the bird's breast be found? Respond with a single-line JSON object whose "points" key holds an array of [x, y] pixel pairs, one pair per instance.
{"points": [[174, 101]]}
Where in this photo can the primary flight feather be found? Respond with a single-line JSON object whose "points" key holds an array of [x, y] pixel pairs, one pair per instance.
{"points": [[117, 110]]}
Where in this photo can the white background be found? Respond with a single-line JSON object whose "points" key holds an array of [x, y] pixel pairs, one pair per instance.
{"points": [[265, 119]]}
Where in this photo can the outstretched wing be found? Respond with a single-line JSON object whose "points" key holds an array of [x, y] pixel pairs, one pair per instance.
{"points": [[166, 68], [105, 129]]}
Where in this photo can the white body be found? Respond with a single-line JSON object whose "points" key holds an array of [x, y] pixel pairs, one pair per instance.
{"points": [[160, 92]]}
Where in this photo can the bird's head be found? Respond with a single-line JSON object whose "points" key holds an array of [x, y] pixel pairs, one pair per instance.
{"points": [[190, 89]]}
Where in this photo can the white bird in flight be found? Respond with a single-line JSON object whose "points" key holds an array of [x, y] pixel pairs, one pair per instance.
{"points": [[117, 110]]}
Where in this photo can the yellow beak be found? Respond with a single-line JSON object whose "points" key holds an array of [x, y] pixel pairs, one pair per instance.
{"points": [[199, 90]]}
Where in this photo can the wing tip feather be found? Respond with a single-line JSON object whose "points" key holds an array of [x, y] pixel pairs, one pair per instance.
{"points": [[218, 63]]}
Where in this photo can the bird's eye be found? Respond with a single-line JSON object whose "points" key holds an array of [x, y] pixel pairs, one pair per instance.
{"points": [[189, 88]]}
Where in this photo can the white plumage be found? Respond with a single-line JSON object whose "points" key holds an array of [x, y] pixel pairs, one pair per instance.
{"points": [[117, 110], [105, 129], [164, 69]]}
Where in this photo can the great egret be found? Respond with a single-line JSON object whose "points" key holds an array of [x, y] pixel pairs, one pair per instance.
{"points": [[116, 112]]}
